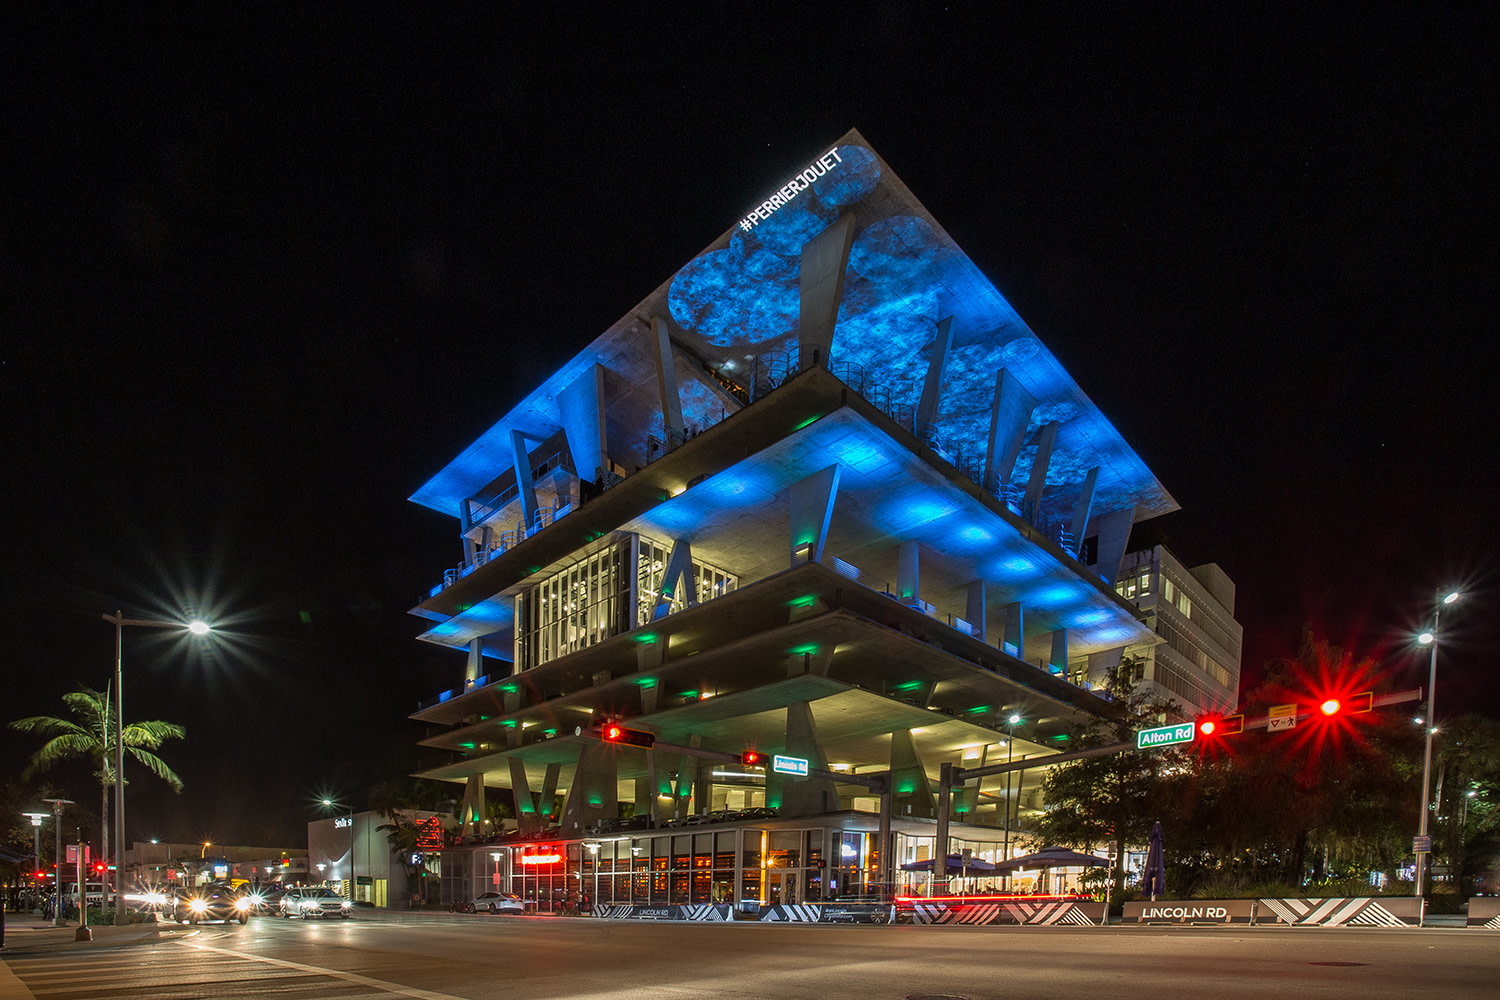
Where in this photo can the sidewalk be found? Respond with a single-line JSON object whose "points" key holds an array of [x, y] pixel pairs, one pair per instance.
{"points": [[28, 932]]}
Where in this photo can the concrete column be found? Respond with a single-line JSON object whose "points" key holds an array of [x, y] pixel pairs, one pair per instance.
{"points": [[666, 383], [908, 573], [812, 512], [1010, 415], [1081, 509], [580, 409], [825, 260], [1114, 538], [932, 389], [975, 613], [1014, 640]]}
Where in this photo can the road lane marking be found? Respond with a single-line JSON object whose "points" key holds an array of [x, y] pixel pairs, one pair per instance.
{"points": [[349, 977]]}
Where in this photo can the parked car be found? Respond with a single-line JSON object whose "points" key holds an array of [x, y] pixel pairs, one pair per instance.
{"points": [[314, 901], [211, 902], [497, 902]]}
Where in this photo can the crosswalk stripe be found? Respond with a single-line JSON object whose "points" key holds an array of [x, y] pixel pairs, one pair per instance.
{"points": [[351, 977]]}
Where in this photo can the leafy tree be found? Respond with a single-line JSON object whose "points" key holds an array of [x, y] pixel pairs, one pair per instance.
{"points": [[1114, 797], [92, 737]]}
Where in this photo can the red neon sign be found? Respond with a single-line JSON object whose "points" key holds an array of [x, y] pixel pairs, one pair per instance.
{"points": [[540, 859]]}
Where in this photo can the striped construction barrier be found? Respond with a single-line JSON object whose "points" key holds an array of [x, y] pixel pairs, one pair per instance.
{"points": [[1484, 911], [805, 913], [1066, 912]]}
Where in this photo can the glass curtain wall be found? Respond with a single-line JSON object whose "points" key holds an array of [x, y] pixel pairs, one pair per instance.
{"points": [[582, 605]]}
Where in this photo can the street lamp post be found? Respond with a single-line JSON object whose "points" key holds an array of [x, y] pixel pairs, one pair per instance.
{"points": [[36, 839], [1428, 639], [353, 884], [119, 622], [57, 900]]}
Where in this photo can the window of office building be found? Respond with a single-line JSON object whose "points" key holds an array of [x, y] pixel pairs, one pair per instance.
{"points": [[577, 607]]}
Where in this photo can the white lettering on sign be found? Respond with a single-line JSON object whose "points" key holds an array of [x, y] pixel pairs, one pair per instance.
{"points": [[540, 859], [1164, 736], [342, 821], [789, 765], [1184, 913], [792, 188], [1280, 718]]}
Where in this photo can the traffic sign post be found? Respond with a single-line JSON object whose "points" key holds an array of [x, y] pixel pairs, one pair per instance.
{"points": [[1165, 736]]}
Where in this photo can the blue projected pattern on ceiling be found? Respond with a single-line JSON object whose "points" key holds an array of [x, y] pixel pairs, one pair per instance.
{"points": [[739, 300], [903, 277]]}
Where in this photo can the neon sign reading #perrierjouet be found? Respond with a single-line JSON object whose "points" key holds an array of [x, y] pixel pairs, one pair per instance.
{"points": [[792, 188]]}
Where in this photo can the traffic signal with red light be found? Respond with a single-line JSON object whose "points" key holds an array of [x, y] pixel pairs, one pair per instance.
{"points": [[1350, 705], [613, 732], [1220, 725], [753, 758]]}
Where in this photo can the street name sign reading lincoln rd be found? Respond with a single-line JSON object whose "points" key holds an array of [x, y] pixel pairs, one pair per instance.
{"points": [[1164, 736]]}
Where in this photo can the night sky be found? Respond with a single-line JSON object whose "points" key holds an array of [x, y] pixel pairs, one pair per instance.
{"points": [[264, 276]]}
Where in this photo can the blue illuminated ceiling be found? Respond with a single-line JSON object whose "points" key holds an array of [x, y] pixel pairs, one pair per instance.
{"points": [[738, 299]]}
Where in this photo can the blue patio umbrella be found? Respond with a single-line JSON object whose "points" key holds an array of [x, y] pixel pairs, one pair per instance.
{"points": [[1154, 876]]}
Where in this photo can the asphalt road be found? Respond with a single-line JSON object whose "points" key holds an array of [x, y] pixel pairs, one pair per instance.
{"points": [[521, 958]]}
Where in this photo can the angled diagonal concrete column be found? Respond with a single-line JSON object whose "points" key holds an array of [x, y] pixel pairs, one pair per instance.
{"points": [[825, 260], [804, 796], [932, 389], [1103, 664], [550, 778], [1010, 414], [1081, 509], [1046, 439], [812, 512], [521, 462], [593, 794], [666, 383], [526, 817], [679, 570], [1114, 538], [580, 409], [472, 808], [911, 791]]}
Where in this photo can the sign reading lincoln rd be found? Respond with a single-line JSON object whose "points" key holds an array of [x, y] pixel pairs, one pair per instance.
{"points": [[1164, 736], [1217, 911], [789, 765], [792, 188]]}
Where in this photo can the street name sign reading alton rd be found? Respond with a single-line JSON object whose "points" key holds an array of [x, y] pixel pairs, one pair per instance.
{"points": [[789, 765], [1165, 736]]}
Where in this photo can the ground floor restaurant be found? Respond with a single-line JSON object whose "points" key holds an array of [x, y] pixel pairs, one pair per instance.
{"points": [[785, 862]]}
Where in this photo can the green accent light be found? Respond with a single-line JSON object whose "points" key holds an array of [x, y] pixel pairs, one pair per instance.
{"points": [[646, 637], [688, 694], [647, 682], [508, 688], [804, 649], [467, 746], [550, 732], [509, 723], [908, 686], [810, 420], [803, 601]]}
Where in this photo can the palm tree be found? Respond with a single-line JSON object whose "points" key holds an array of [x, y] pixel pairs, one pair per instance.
{"points": [[93, 737]]}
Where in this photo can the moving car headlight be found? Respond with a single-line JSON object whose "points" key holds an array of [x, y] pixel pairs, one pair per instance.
{"points": [[198, 905], [309, 904], [346, 905], [243, 903]]}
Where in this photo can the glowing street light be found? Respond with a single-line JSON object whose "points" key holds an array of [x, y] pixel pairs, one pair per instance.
{"points": [[1428, 639], [119, 622]]}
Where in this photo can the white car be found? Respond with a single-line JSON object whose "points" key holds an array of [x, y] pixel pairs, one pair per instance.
{"points": [[497, 902], [314, 901]]}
